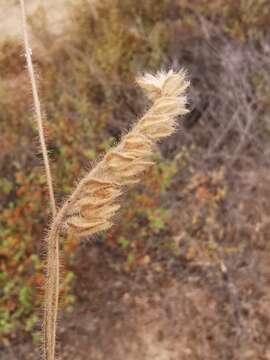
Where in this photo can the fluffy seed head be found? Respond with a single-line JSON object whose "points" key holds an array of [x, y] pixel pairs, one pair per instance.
{"points": [[98, 198], [164, 84]]}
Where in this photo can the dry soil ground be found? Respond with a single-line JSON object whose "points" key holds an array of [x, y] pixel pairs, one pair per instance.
{"points": [[10, 17]]}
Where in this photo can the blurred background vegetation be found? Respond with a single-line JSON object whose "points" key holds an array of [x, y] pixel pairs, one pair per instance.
{"points": [[206, 201]]}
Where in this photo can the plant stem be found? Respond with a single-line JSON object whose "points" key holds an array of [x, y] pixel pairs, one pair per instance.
{"points": [[52, 278], [37, 109]]}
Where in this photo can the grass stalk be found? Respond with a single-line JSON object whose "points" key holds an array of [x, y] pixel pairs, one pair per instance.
{"points": [[94, 202], [37, 106]]}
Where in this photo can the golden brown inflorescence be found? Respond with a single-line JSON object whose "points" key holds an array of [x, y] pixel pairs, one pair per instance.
{"points": [[94, 202], [98, 200]]}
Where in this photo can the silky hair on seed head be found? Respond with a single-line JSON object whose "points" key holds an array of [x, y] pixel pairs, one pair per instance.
{"points": [[126, 163], [92, 206]]}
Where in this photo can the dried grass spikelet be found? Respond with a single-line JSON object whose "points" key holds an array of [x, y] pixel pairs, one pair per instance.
{"points": [[96, 199], [126, 163]]}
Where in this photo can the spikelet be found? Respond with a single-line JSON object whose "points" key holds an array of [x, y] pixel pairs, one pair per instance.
{"points": [[96, 202]]}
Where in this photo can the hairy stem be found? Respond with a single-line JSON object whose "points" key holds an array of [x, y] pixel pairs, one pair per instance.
{"points": [[37, 109], [52, 278], [51, 293]]}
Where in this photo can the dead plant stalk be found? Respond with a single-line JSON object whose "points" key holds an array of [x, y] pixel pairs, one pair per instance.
{"points": [[95, 201], [93, 204], [28, 55]]}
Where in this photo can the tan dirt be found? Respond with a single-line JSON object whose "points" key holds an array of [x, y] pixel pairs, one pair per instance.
{"points": [[10, 17]]}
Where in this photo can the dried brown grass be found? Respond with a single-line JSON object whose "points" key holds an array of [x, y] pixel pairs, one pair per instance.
{"points": [[37, 107], [93, 204], [95, 201]]}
